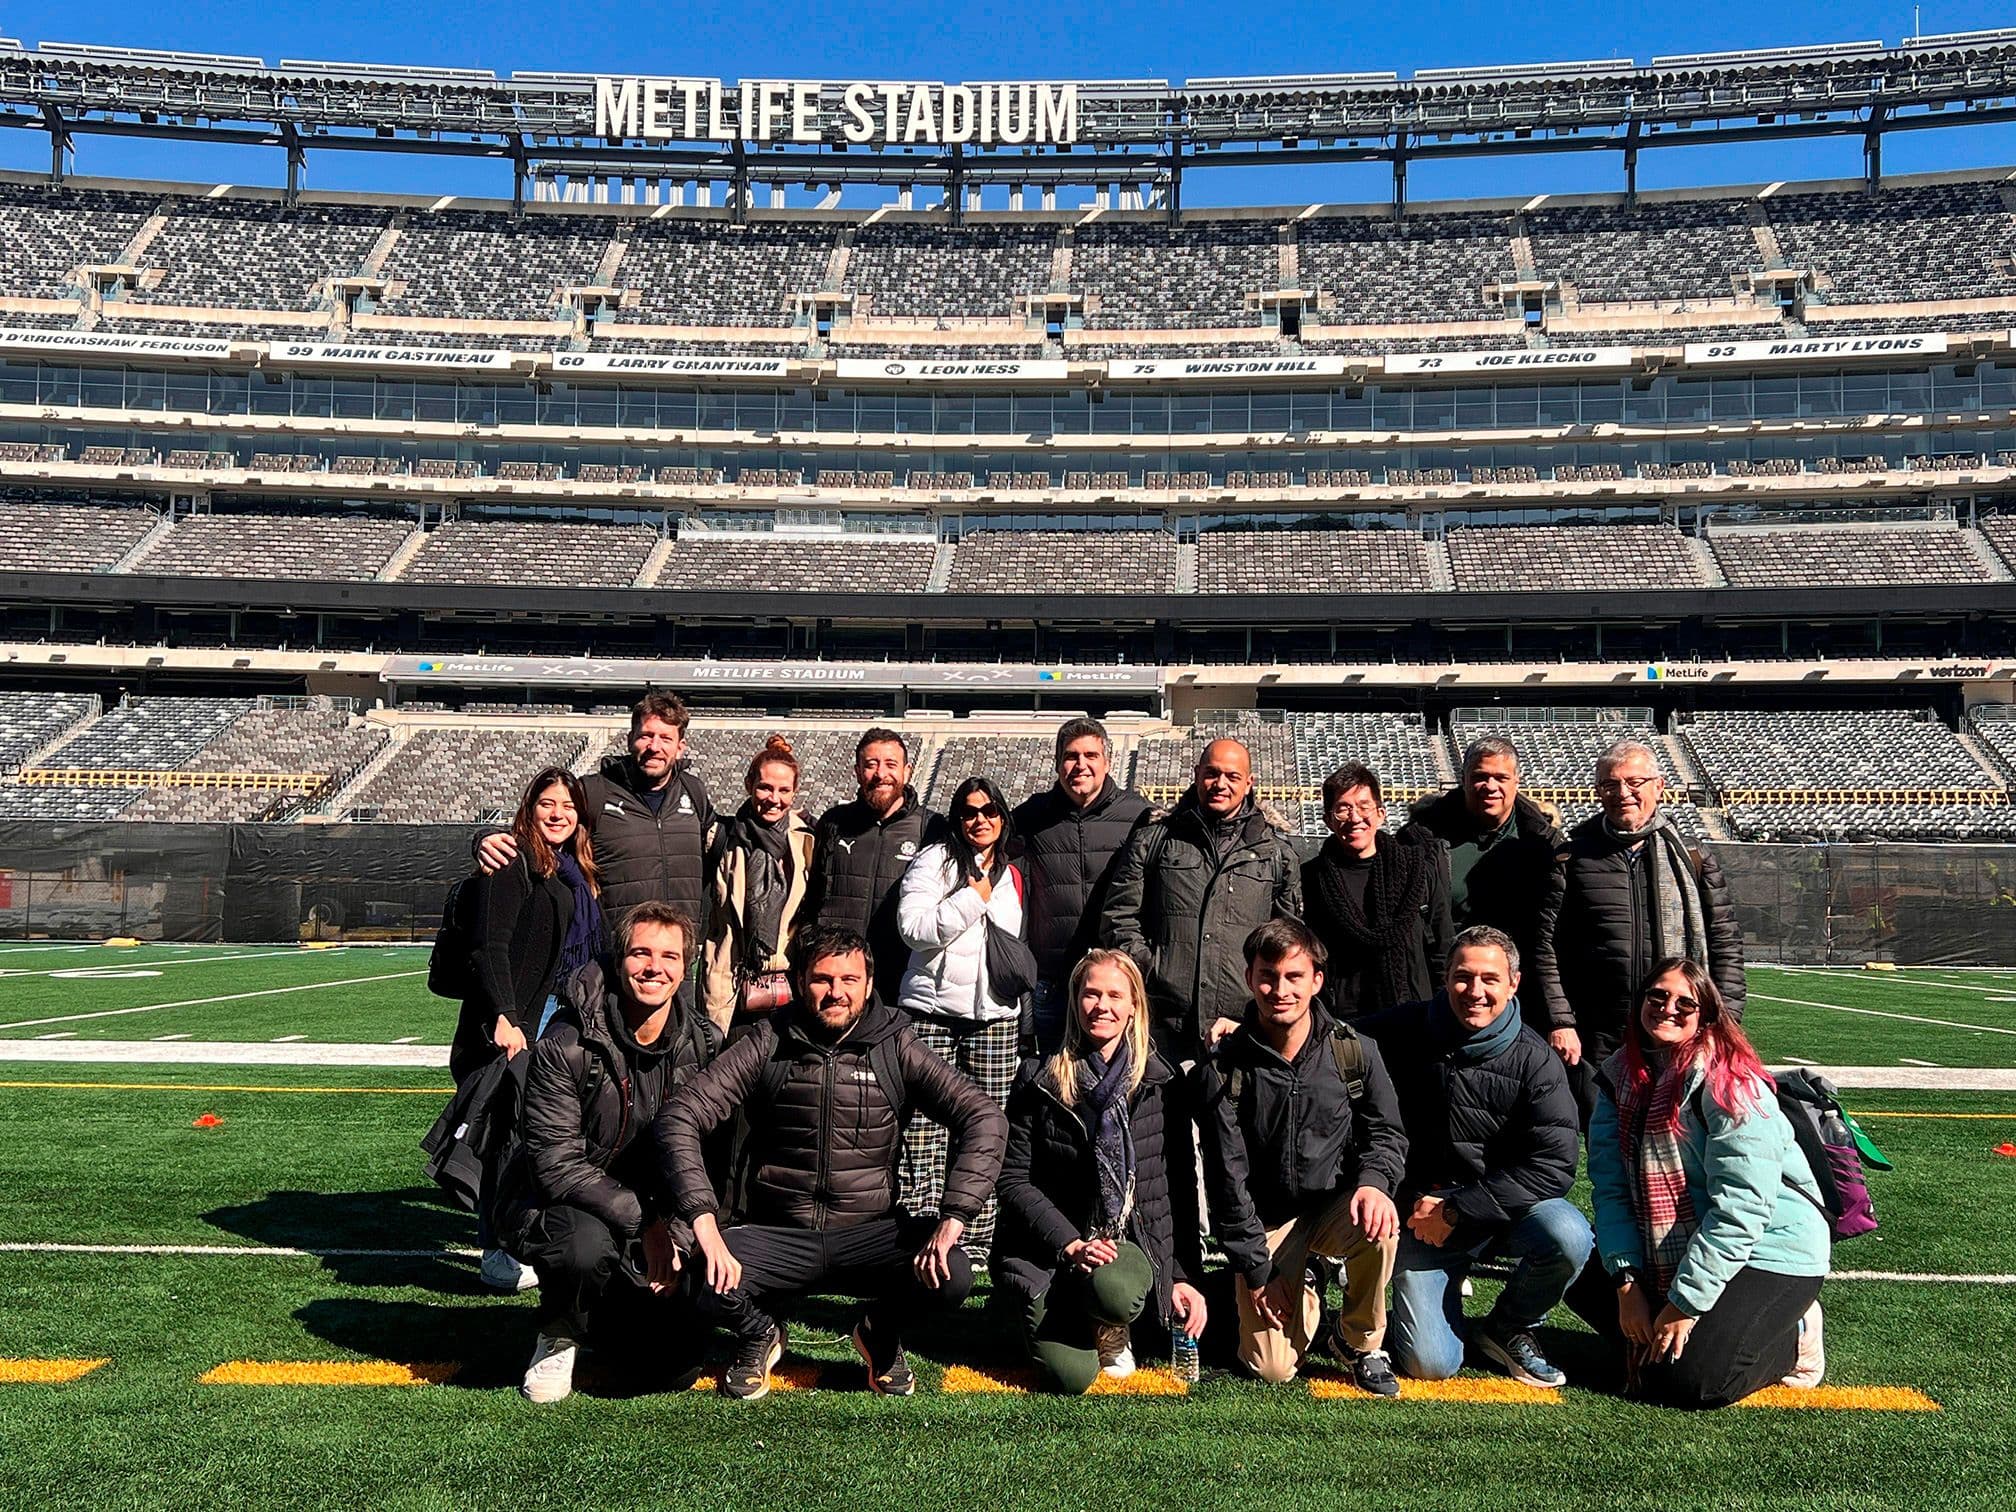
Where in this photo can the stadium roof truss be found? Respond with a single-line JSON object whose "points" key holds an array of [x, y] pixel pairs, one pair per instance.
{"points": [[1145, 133]]}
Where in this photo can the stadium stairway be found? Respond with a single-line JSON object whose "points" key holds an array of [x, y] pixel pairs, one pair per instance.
{"points": [[654, 563], [397, 563], [1710, 568], [145, 544], [941, 568], [1971, 744], [1998, 570], [341, 800], [1441, 571]]}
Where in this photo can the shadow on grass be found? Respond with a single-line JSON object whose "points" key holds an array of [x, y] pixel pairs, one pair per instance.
{"points": [[408, 1218]]}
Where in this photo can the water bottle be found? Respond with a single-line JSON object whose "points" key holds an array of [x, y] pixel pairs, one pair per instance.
{"points": [[1182, 1355]]}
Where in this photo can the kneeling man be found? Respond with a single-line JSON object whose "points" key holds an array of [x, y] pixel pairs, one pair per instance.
{"points": [[1491, 1144], [825, 1086], [1302, 1151]]}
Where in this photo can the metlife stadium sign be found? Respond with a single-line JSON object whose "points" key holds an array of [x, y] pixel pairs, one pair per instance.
{"points": [[887, 115], [533, 671]]}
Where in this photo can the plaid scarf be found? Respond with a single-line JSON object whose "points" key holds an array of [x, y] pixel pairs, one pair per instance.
{"points": [[1650, 1146], [1679, 924]]}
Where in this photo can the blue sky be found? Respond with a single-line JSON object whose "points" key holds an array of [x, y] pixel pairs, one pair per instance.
{"points": [[980, 39]]}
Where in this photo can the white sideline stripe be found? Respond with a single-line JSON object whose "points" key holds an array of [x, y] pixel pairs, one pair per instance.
{"points": [[320, 1252], [228, 997], [1912, 1078], [289, 1039], [1799, 1060], [182, 1036], [1915, 981], [264, 955], [59, 1034], [1765, 997], [411, 1039], [1910, 1062], [226, 1053]]}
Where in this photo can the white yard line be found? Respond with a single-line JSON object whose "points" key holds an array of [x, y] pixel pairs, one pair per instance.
{"points": [[181, 1036], [411, 1039], [1908, 1018], [1906, 1060], [1909, 1078], [198, 1052], [1797, 1060], [59, 1034], [228, 997], [115, 965], [288, 1039]]}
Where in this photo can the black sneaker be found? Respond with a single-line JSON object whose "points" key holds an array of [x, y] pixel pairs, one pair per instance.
{"points": [[888, 1368], [748, 1374], [1370, 1370], [1519, 1354]]}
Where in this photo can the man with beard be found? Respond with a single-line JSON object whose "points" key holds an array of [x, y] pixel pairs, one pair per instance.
{"points": [[1627, 892], [862, 849], [1068, 838], [649, 815], [1187, 891]]}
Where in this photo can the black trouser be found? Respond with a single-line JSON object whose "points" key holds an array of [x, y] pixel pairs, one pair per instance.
{"points": [[588, 1287], [1596, 1049], [872, 1261], [1748, 1340]]}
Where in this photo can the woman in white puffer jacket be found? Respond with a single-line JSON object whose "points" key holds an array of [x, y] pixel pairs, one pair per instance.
{"points": [[950, 892]]}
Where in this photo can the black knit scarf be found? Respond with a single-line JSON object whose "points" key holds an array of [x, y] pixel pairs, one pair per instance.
{"points": [[766, 881], [1379, 932]]}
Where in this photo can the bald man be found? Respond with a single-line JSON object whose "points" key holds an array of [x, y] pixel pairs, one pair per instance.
{"points": [[1188, 889]]}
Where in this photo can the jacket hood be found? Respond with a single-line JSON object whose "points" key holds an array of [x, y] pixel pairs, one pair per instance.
{"points": [[1447, 816], [598, 1013], [623, 771], [1322, 1024], [1257, 817], [796, 1026]]}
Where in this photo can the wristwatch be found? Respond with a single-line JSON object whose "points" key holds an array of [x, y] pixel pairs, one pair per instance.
{"points": [[1626, 1276]]}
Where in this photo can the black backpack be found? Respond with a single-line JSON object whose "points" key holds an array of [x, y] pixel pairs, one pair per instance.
{"points": [[450, 970], [1345, 1047]]}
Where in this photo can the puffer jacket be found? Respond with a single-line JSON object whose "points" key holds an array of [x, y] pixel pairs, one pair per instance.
{"points": [[720, 982], [1754, 1197], [821, 1152], [1183, 912], [1508, 880], [1492, 1126], [1595, 945], [944, 922], [644, 856], [1049, 1187], [857, 870], [1068, 854], [1293, 1140], [591, 1093]]}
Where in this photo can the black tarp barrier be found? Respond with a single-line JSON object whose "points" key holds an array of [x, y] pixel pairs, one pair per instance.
{"points": [[1917, 905]]}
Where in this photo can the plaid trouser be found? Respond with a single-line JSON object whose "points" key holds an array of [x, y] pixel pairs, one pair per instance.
{"points": [[986, 1053]]}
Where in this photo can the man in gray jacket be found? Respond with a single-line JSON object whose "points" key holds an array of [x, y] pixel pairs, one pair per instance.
{"points": [[1189, 888]]}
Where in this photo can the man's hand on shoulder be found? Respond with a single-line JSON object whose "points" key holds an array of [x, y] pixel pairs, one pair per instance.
{"points": [[495, 852]]}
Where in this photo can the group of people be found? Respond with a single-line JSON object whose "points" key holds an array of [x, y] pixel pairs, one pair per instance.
{"points": [[1068, 1038]]}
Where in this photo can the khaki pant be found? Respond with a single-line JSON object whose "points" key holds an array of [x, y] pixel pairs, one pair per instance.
{"points": [[1275, 1354]]}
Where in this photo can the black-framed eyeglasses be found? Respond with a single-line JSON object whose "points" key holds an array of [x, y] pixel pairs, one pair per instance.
{"points": [[1660, 998], [1614, 785], [974, 811]]}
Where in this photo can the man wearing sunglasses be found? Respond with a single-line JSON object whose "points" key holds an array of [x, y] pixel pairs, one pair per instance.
{"points": [[1187, 891], [1627, 892]]}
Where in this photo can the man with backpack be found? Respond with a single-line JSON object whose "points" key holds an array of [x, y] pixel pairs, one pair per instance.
{"points": [[824, 1088], [581, 1198], [1303, 1150]]}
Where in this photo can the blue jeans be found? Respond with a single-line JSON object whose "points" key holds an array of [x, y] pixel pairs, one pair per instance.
{"points": [[546, 1015], [1550, 1241], [1047, 1006]]}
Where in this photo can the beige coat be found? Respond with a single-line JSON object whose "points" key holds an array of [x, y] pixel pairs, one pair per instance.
{"points": [[719, 987]]}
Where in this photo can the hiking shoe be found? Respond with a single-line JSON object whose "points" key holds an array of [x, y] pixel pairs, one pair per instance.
{"points": [[748, 1374], [501, 1271], [550, 1376], [888, 1367], [1812, 1361], [1116, 1350], [1370, 1370], [1519, 1356]]}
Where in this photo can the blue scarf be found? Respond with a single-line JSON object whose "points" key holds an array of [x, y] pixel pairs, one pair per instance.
{"points": [[584, 930], [1103, 1085]]}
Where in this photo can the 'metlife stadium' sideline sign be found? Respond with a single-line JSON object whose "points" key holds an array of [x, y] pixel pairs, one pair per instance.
{"points": [[890, 115], [530, 671]]}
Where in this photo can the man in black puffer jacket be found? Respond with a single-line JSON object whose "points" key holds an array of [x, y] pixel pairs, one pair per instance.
{"points": [[1068, 838], [580, 1198], [1627, 891], [825, 1087], [1501, 846], [649, 815], [1492, 1137], [861, 850]]}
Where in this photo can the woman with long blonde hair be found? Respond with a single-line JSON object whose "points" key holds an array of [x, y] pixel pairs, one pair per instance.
{"points": [[1098, 1195]]}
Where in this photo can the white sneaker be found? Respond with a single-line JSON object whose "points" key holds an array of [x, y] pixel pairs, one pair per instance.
{"points": [[1116, 1353], [1811, 1365], [550, 1376], [503, 1272]]}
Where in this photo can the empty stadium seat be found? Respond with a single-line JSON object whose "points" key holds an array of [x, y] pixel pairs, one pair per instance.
{"points": [[1064, 561]]}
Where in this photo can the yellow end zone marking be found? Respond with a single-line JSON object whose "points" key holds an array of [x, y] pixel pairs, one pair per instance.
{"points": [[1020, 1380], [329, 1373], [1844, 1398], [84, 1086], [46, 1372], [1487, 1390], [798, 1376]]}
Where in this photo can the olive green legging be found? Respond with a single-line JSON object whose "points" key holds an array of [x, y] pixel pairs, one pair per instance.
{"points": [[1062, 1323]]}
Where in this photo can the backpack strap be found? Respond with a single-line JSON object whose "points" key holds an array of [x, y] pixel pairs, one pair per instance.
{"points": [[776, 1071], [1699, 1102], [1349, 1052], [885, 1059]]}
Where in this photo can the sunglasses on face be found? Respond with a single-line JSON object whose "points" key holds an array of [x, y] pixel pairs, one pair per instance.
{"points": [[1661, 999], [988, 811]]}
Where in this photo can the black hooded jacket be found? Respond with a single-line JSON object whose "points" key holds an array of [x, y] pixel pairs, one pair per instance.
{"points": [[1068, 855], [858, 861], [1492, 1126], [821, 1151], [1507, 882], [1182, 908], [591, 1091], [1049, 1186]]}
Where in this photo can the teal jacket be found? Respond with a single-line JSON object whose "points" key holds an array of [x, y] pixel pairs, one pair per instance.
{"points": [[1753, 1192]]}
